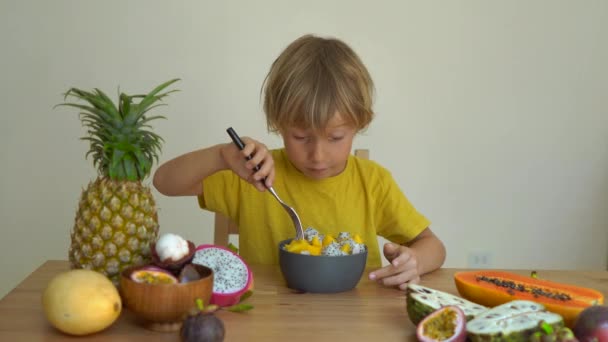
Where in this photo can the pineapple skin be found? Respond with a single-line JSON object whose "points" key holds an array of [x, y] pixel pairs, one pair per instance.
{"points": [[115, 224]]}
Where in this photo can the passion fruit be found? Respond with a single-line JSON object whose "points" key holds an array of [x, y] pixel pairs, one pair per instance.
{"points": [[592, 324], [153, 276], [202, 325], [444, 324]]}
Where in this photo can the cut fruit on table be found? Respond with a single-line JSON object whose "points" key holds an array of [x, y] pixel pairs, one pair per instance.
{"points": [[422, 301], [491, 288], [516, 320], [232, 277], [447, 324], [592, 324]]}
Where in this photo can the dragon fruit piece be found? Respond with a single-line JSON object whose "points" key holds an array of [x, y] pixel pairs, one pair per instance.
{"points": [[357, 248], [231, 275], [309, 233], [343, 236], [333, 249]]}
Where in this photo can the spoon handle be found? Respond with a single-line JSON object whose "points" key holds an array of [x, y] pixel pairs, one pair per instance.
{"points": [[239, 143]]}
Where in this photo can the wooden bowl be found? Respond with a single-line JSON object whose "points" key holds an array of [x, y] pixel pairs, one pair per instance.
{"points": [[163, 307]]}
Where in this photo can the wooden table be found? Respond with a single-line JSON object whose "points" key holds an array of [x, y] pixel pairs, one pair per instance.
{"points": [[368, 313]]}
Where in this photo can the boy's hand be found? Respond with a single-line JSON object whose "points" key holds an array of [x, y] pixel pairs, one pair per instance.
{"points": [[402, 270], [237, 162]]}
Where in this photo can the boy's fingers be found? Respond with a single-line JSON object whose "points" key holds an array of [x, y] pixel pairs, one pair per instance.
{"points": [[264, 171], [391, 250], [400, 278], [259, 186], [249, 147], [266, 164], [415, 280], [401, 258], [270, 178], [383, 272], [259, 156]]}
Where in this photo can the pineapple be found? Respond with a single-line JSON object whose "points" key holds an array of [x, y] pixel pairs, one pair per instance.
{"points": [[116, 218]]}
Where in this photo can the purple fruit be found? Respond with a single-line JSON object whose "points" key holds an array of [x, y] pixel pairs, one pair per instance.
{"points": [[592, 324], [202, 327], [446, 324], [189, 273]]}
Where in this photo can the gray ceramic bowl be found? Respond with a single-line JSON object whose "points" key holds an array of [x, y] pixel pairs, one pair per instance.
{"points": [[319, 273]]}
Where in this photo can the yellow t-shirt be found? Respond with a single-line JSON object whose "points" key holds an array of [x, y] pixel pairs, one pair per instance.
{"points": [[363, 199]]}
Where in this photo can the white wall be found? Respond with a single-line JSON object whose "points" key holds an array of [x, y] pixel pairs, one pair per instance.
{"points": [[492, 115]]}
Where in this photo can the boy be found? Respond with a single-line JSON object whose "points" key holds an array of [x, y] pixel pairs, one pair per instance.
{"points": [[318, 96]]}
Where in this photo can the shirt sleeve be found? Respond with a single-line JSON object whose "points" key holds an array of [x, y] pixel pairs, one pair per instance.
{"points": [[221, 193], [398, 220]]}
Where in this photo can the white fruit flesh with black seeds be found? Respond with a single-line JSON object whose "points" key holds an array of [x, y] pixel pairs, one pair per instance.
{"points": [[333, 249], [230, 274], [354, 248], [435, 299], [514, 317], [309, 233], [343, 236], [357, 248]]}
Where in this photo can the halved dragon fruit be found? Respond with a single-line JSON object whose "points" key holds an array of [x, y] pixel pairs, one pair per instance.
{"points": [[231, 275]]}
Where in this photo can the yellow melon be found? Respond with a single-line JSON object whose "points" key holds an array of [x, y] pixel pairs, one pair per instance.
{"points": [[81, 302]]}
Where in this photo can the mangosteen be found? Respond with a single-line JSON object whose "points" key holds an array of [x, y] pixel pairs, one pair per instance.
{"points": [[592, 324], [202, 327], [172, 252]]}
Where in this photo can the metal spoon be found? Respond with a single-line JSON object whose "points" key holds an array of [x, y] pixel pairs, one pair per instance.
{"points": [[292, 213]]}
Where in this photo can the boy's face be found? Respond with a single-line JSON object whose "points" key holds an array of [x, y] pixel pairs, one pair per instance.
{"points": [[320, 155]]}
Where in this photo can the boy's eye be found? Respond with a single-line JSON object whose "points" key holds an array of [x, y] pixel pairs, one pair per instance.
{"points": [[300, 137], [336, 138]]}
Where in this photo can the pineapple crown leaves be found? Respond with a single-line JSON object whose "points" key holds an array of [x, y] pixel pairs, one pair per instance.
{"points": [[121, 143]]}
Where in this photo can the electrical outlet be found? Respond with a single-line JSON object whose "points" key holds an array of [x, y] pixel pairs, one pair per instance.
{"points": [[480, 259]]}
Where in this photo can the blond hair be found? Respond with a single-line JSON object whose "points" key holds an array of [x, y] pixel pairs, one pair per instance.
{"points": [[312, 80]]}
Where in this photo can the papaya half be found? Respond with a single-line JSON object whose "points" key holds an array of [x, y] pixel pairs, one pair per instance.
{"points": [[493, 288]]}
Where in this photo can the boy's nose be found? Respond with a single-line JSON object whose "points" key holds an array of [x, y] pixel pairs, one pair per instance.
{"points": [[317, 153]]}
